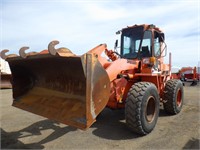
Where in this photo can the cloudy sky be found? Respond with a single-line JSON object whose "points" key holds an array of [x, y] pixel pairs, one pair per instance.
{"points": [[81, 25]]}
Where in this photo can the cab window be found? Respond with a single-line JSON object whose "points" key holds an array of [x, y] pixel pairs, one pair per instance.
{"points": [[145, 50]]}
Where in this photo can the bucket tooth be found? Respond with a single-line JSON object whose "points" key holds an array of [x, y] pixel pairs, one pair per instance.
{"points": [[4, 56], [64, 52], [51, 47], [23, 54]]}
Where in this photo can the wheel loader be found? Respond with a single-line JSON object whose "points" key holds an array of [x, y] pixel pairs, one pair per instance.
{"points": [[57, 84], [187, 73]]}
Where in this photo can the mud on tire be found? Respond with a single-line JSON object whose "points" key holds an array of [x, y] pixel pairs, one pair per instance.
{"points": [[142, 107], [173, 96]]}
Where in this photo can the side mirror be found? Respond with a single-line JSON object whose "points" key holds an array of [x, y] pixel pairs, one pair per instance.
{"points": [[116, 44], [157, 49], [164, 51], [160, 50], [118, 32]]}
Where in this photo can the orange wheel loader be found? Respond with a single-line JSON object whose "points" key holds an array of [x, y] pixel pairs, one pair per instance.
{"points": [[186, 73], [73, 90], [191, 74]]}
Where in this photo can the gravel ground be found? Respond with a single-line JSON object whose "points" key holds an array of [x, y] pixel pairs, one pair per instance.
{"points": [[23, 130]]}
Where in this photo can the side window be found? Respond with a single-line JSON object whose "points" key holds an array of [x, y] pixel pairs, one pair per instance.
{"points": [[127, 44], [157, 51]]}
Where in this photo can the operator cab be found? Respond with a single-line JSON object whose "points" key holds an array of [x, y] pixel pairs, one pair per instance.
{"points": [[141, 41]]}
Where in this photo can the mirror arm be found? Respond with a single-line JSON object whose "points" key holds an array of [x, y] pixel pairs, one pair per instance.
{"points": [[116, 44]]}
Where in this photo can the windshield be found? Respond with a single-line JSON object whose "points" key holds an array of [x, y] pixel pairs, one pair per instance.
{"points": [[131, 41]]}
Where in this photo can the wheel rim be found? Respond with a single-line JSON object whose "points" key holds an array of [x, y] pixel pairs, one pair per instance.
{"points": [[179, 98], [150, 109]]}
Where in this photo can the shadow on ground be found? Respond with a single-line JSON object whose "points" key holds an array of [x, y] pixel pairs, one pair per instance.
{"points": [[11, 140], [111, 125], [192, 144], [163, 113]]}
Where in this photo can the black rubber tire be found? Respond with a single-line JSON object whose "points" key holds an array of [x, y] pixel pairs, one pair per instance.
{"points": [[173, 96], [141, 95]]}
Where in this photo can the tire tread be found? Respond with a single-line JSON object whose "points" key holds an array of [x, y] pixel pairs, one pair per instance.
{"points": [[133, 106], [170, 96]]}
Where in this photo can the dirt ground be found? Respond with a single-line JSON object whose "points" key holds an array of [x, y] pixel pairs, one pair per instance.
{"points": [[23, 130]]}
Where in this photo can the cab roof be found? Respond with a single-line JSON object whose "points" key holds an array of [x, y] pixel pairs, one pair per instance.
{"points": [[145, 26]]}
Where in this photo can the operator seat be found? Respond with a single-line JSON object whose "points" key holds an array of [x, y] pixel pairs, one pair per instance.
{"points": [[145, 51]]}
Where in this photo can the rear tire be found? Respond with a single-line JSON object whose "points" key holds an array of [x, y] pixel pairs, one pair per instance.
{"points": [[142, 107], [173, 96]]}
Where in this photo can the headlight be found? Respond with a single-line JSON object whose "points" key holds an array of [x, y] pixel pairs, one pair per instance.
{"points": [[150, 61], [146, 61]]}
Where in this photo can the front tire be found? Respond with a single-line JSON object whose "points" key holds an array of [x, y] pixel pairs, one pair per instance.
{"points": [[142, 107], [173, 96]]}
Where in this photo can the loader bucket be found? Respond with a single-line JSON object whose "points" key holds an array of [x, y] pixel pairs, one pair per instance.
{"points": [[72, 90]]}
